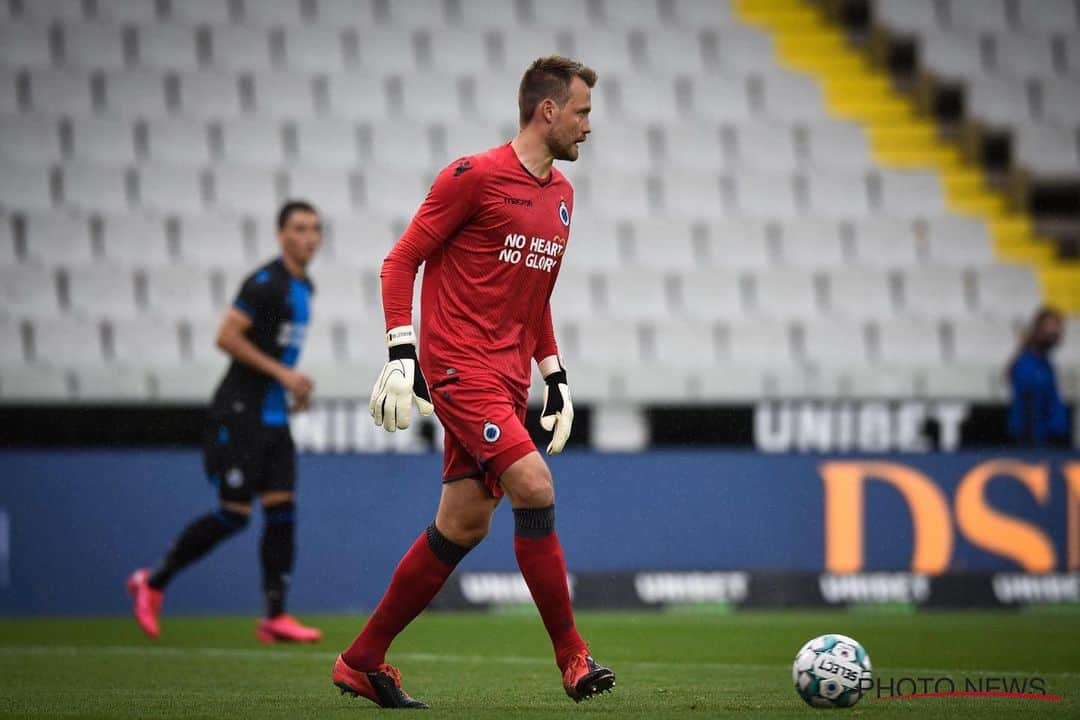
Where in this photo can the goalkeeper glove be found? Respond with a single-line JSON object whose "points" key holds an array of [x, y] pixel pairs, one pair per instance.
{"points": [[558, 412], [400, 381]]}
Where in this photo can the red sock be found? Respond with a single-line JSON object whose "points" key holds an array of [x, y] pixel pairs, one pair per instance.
{"points": [[544, 569], [416, 581]]}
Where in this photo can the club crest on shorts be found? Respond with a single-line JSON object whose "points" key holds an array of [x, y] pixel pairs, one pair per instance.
{"points": [[234, 478], [564, 213], [492, 433]]}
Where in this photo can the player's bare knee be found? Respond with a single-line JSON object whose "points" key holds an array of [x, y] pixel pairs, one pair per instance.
{"points": [[528, 483], [276, 497], [467, 531], [237, 507], [532, 489]]}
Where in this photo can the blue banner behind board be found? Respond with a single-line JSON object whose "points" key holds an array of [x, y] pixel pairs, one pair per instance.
{"points": [[73, 524]]}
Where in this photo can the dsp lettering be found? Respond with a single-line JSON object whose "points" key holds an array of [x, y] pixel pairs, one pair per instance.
{"points": [[537, 253], [935, 524]]}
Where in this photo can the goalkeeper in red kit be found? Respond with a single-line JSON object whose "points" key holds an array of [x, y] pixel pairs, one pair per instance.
{"points": [[491, 234]]}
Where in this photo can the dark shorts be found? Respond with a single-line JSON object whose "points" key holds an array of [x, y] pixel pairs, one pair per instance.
{"points": [[244, 458], [485, 429]]}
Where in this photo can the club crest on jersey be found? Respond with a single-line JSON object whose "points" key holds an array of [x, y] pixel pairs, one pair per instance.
{"points": [[564, 213], [492, 433]]}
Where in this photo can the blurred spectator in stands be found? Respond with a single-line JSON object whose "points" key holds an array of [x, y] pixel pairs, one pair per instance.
{"points": [[1037, 416]]}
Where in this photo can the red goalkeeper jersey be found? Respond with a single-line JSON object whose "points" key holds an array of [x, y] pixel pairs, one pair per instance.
{"points": [[492, 236]]}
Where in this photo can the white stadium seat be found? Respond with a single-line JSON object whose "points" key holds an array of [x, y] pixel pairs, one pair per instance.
{"points": [[786, 293], [637, 293], [242, 189], [766, 144], [738, 244], [146, 341], [333, 190], [126, 11], [253, 141], [905, 193], [135, 93], [167, 47], [62, 340], [30, 139], [103, 141], [52, 238], [111, 384], [978, 15], [135, 240], [188, 382], [690, 146], [212, 241], [988, 342], [12, 351], [698, 14], [23, 383], [24, 186], [60, 91], [240, 47], [909, 341], [274, 13], [403, 144], [201, 12], [328, 142], [833, 343], [1047, 15], [1005, 290], [90, 187], [709, 294], [487, 14], [885, 242], [101, 290], [180, 291], [861, 293], [25, 45], [315, 49], [958, 241], [91, 45], [936, 292], [28, 289], [458, 50], [812, 243], [662, 244], [669, 50], [178, 141], [171, 188], [763, 344]]}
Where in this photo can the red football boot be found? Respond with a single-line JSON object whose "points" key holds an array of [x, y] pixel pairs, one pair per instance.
{"points": [[382, 687], [145, 602], [285, 628], [584, 677]]}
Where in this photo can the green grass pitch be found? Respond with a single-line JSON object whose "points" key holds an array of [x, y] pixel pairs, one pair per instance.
{"points": [[669, 665]]}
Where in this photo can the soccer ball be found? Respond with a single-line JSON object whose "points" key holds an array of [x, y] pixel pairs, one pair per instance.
{"points": [[831, 671]]}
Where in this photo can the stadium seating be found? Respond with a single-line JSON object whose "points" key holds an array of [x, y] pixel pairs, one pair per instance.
{"points": [[728, 224]]}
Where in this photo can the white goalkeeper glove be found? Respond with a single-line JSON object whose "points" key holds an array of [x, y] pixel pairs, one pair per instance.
{"points": [[400, 382], [558, 412]]}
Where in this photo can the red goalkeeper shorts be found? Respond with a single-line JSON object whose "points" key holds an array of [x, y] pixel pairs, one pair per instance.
{"points": [[485, 429]]}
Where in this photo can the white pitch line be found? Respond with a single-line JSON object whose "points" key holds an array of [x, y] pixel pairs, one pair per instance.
{"points": [[292, 655]]}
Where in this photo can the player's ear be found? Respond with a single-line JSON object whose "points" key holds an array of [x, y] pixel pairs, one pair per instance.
{"points": [[549, 109]]}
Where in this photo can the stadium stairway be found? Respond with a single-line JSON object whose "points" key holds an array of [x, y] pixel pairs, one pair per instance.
{"points": [[855, 90]]}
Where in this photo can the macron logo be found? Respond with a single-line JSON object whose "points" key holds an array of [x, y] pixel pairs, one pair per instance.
{"points": [[463, 167]]}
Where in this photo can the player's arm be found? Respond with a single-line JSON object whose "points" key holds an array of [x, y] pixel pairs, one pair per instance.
{"points": [[448, 206], [232, 338], [558, 413]]}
